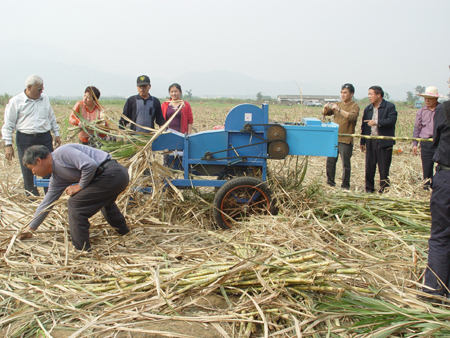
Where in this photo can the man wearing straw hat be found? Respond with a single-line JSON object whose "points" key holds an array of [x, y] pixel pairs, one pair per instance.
{"points": [[423, 128], [92, 180], [437, 274], [142, 109], [31, 116], [345, 115], [379, 119]]}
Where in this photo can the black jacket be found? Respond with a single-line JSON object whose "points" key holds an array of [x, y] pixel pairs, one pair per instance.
{"points": [[387, 117], [441, 134], [129, 110]]}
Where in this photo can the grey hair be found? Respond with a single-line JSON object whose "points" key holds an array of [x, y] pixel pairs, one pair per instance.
{"points": [[34, 80], [33, 153]]}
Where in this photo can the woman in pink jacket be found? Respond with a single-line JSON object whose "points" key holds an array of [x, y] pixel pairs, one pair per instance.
{"points": [[182, 122]]}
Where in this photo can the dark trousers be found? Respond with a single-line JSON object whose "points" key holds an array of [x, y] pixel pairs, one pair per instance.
{"points": [[101, 195], [381, 157], [23, 142], [426, 153], [345, 150], [438, 270]]}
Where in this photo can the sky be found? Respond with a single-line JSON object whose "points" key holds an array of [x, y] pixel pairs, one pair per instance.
{"points": [[322, 42]]}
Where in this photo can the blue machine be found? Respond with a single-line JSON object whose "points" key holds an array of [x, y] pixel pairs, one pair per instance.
{"points": [[238, 156]]}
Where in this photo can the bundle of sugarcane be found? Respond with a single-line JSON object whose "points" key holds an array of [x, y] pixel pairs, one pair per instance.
{"points": [[388, 138], [312, 270]]}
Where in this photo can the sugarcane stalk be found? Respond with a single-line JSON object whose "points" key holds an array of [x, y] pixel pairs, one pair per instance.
{"points": [[388, 138]]}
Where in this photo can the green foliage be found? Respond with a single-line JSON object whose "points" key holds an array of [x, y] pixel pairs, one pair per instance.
{"points": [[4, 99], [420, 89], [410, 97], [259, 96]]}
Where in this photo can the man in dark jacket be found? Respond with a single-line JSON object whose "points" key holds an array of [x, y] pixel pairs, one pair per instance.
{"points": [[143, 109], [437, 275], [378, 120]]}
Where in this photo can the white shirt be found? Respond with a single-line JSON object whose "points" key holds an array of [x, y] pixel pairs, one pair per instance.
{"points": [[28, 116], [374, 129]]}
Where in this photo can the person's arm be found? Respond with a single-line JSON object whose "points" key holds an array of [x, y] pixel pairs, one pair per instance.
{"points": [[190, 116], [53, 122], [417, 129], [327, 110], [364, 128], [78, 160], [10, 119], [55, 190], [351, 115], [159, 118], [73, 119], [438, 125], [127, 111]]}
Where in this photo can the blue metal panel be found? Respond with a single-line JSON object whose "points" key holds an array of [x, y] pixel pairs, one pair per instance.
{"points": [[41, 182], [311, 121], [312, 140], [198, 183], [172, 140], [247, 113], [211, 140]]}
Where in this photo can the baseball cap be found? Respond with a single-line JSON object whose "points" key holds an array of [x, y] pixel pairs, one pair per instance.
{"points": [[143, 80]]}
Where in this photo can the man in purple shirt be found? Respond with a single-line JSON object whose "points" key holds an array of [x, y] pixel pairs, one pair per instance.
{"points": [[423, 128], [92, 180]]}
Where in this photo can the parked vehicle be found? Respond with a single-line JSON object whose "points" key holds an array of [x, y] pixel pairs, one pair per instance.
{"points": [[312, 103]]}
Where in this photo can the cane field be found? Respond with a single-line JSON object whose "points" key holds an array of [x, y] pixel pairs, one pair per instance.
{"points": [[331, 263]]}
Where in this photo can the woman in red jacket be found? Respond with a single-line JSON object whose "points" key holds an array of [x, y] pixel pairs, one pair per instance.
{"points": [[182, 122], [184, 119]]}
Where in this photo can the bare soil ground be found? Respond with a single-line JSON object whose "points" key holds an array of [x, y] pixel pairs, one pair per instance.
{"points": [[406, 183]]}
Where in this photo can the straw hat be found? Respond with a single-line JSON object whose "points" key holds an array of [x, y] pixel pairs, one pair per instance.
{"points": [[430, 93]]}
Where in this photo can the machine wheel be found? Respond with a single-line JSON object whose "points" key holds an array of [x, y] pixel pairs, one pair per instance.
{"points": [[276, 132], [240, 198]]}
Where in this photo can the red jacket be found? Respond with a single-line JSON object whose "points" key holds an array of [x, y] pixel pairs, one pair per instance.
{"points": [[186, 115]]}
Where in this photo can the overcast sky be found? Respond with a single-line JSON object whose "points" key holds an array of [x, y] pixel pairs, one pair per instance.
{"points": [[363, 42]]}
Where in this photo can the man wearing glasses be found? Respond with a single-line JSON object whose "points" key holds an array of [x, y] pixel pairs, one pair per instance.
{"points": [[345, 115], [31, 116], [143, 109]]}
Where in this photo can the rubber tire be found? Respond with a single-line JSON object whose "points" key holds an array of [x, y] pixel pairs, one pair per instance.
{"points": [[243, 187]]}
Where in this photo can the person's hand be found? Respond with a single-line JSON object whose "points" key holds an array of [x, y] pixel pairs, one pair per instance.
{"points": [[9, 153], [415, 151], [28, 233], [362, 147], [371, 123], [57, 141], [334, 106], [73, 189]]}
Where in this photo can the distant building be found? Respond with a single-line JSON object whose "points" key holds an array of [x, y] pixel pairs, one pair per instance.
{"points": [[291, 99]]}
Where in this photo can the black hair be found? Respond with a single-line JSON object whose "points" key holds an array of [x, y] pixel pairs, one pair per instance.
{"points": [[33, 153], [348, 86], [177, 86], [377, 90], [94, 92]]}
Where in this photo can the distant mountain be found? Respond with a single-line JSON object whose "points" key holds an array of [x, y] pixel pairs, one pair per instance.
{"points": [[221, 83], [66, 74]]}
